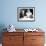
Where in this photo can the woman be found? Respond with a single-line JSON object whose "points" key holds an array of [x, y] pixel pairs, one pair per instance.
{"points": [[29, 13]]}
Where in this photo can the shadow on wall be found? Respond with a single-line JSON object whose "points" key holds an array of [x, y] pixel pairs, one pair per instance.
{"points": [[2, 26]]}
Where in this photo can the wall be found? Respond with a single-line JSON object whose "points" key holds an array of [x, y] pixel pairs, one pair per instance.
{"points": [[9, 13]]}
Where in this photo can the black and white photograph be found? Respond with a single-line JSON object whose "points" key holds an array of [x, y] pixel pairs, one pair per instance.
{"points": [[26, 13]]}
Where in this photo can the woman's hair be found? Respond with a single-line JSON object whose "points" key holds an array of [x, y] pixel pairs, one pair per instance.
{"points": [[31, 10], [21, 14]]}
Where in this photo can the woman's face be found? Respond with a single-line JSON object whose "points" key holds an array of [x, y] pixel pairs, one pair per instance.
{"points": [[28, 10]]}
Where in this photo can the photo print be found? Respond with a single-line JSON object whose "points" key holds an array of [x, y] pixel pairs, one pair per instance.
{"points": [[26, 14]]}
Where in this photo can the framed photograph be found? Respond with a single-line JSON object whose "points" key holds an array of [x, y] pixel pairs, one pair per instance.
{"points": [[26, 14]]}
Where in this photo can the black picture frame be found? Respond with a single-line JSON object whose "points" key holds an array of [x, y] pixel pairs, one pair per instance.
{"points": [[26, 14]]}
